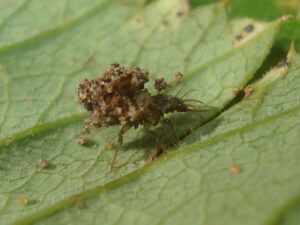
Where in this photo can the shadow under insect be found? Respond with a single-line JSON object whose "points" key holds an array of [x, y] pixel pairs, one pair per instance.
{"points": [[170, 133], [118, 97]]}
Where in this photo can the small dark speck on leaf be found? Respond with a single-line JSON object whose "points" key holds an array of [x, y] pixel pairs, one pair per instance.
{"points": [[234, 170], [165, 23], [138, 20], [249, 28], [160, 84], [179, 13], [239, 37], [237, 91]]}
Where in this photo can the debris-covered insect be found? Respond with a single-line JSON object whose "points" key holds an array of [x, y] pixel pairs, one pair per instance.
{"points": [[41, 164], [120, 98]]}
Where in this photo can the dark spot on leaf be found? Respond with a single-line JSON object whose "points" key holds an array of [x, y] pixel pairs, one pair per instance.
{"points": [[160, 84], [239, 37], [237, 91], [179, 13], [249, 28], [165, 23], [138, 20]]}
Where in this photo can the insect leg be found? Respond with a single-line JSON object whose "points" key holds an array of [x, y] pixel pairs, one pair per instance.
{"points": [[123, 130], [160, 148], [171, 125]]}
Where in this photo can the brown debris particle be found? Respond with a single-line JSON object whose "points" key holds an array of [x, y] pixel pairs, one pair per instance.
{"points": [[249, 28], [160, 149], [23, 200], [110, 145], [165, 23], [239, 37], [248, 92], [42, 164], [80, 203], [283, 63], [160, 84], [234, 170], [237, 91], [83, 140], [177, 77], [179, 13]]}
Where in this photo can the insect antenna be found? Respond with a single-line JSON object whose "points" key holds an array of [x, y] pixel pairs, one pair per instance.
{"points": [[186, 93], [170, 124], [192, 100]]}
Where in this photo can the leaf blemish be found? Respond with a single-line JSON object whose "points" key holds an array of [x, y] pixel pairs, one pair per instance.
{"points": [[80, 203], [249, 28], [42, 164], [138, 20], [179, 13], [245, 34], [109, 145], [237, 91], [234, 170], [248, 92], [23, 200]]}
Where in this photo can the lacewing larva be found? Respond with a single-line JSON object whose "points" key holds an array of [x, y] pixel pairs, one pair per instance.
{"points": [[119, 97]]}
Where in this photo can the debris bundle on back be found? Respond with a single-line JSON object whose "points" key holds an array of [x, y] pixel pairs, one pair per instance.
{"points": [[119, 97]]}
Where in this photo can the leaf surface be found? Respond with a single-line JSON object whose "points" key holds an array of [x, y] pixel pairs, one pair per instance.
{"points": [[200, 183], [40, 70]]}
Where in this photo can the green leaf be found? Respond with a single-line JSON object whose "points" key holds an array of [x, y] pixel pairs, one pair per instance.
{"points": [[40, 70], [276, 8], [23, 21], [195, 185]]}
